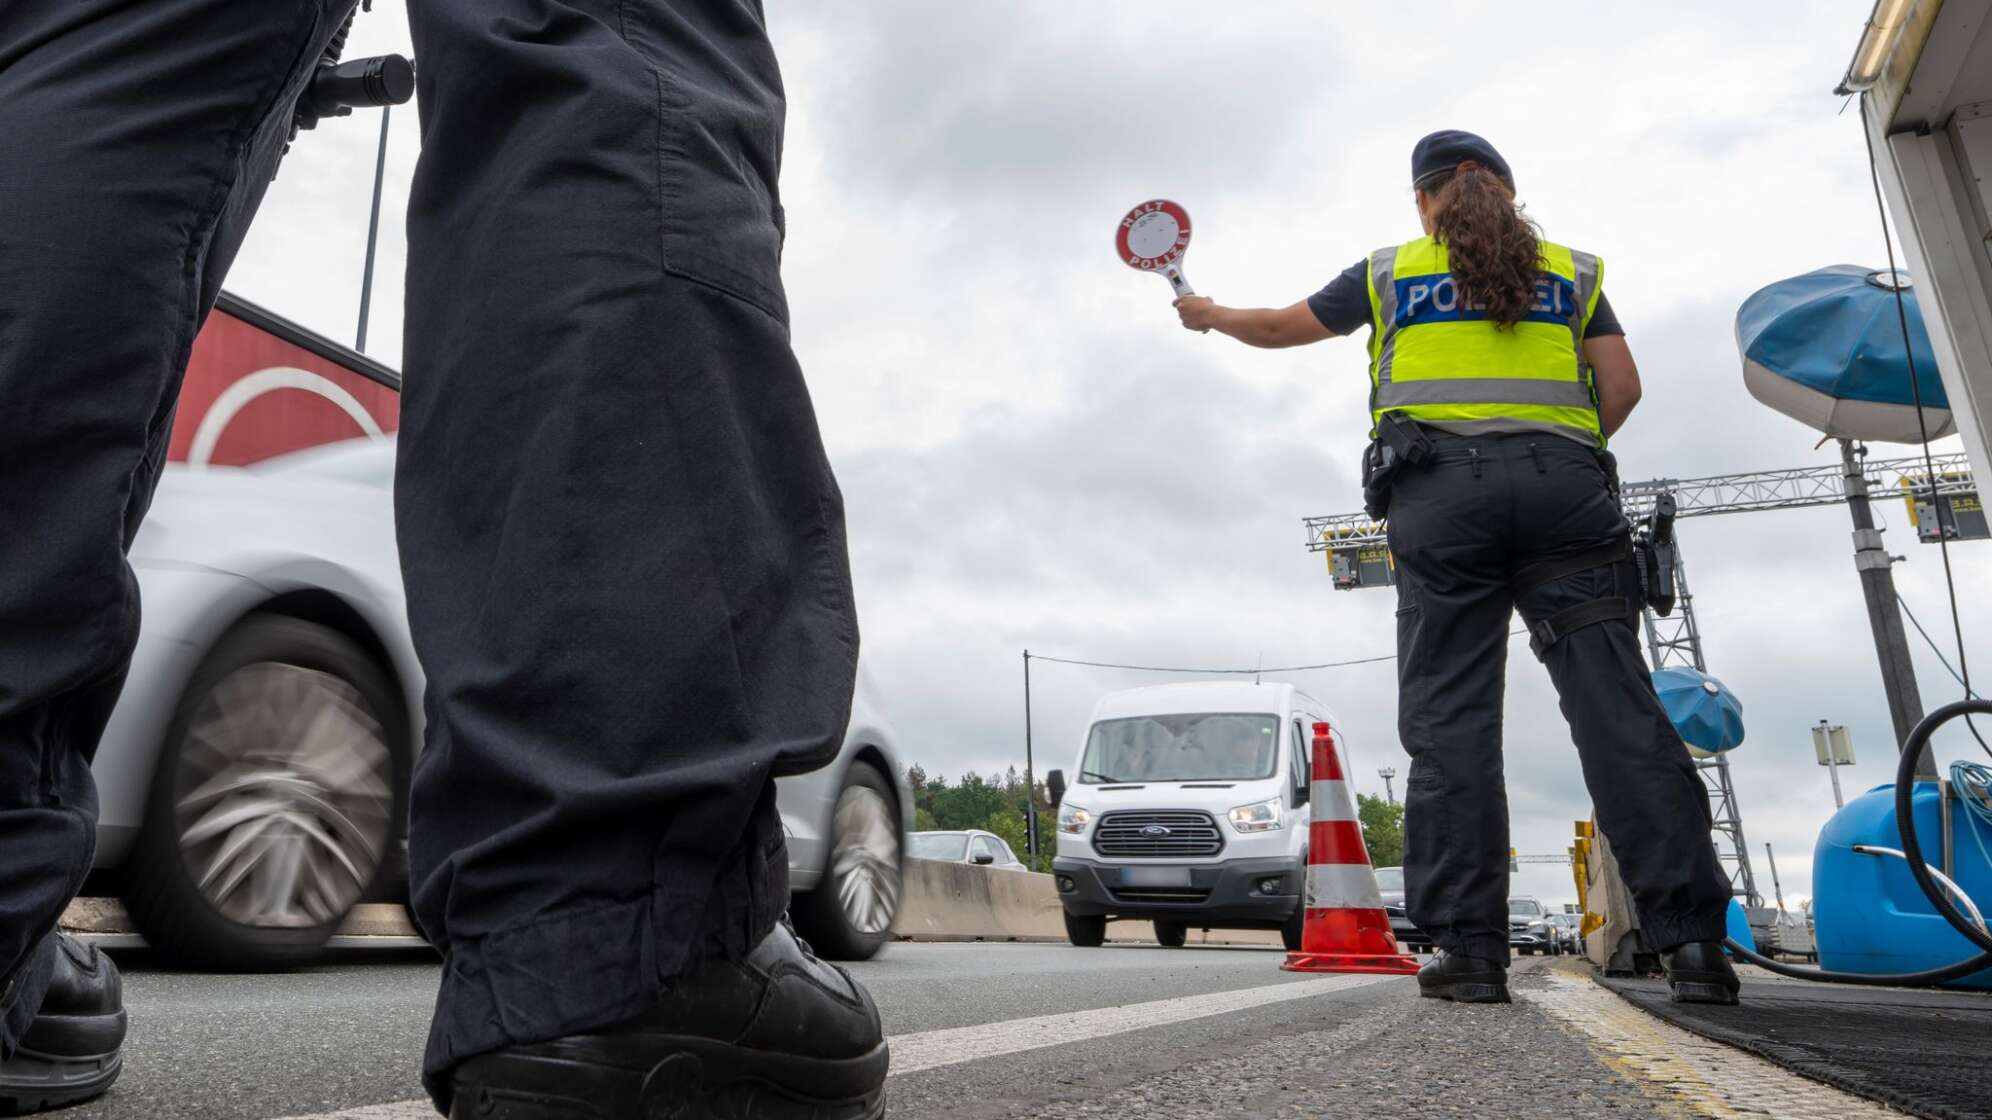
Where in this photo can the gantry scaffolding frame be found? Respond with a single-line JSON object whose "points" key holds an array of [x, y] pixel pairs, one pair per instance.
{"points": [[1677, 638]]}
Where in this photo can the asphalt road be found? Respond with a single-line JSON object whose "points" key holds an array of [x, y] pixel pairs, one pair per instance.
{"points": [[979, 1031]]}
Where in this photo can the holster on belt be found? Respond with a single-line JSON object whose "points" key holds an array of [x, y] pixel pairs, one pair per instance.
{"points": [[1399, 443]]}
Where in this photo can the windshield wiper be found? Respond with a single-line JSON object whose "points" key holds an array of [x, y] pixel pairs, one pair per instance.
{"points": [[1096, 776]]}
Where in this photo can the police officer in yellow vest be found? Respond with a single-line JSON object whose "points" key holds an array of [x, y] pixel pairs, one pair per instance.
{"points": [[1497, 373]]}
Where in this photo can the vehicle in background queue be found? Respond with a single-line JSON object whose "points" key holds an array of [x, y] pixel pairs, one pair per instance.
{"points": [[971, 846], [1567, 938], [1390, 884], [254, 777], [1529, 928]]}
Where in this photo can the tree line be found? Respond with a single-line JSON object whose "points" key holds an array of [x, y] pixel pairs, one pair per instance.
{"points": [[997, 803]]}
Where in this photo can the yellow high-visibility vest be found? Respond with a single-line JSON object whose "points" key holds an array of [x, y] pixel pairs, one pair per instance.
{"points": [[1436, 360]]}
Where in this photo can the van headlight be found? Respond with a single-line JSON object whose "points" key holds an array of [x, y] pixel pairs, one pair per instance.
{"points": [[1260, 816], [1074, 818]]}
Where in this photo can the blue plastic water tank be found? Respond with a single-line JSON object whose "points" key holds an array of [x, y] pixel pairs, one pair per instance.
{"points": [[1869, 915], [1739, 927]]}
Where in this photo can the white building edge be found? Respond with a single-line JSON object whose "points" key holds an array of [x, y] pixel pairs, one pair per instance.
{"points": [[1924, 68]]}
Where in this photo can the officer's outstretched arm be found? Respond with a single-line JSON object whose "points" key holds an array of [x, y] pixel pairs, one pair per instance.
{"points": [[1268, 327], [1616, 377]]}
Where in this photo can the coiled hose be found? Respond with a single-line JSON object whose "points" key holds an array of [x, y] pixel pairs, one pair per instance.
{"points": [[1976, 783]]}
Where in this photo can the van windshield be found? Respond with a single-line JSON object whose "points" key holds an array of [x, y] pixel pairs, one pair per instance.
{"points": [[1198, 747]]}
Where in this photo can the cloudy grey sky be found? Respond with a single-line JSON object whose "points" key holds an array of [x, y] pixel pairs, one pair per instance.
{"points": [[1035, 455]]}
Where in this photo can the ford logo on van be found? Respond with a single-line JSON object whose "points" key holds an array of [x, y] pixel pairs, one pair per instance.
{"points": [[1155, 830]]}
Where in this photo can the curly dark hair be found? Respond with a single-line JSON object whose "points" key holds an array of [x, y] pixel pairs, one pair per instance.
{"points": [[1495, 249]]}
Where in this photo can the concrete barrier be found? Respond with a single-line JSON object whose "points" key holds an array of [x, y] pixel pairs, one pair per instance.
{"points": [[938, 902], [962, 902]]}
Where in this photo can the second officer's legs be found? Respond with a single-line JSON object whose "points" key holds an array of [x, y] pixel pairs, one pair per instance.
{"points": [[1650, 802], [1448, 532]]}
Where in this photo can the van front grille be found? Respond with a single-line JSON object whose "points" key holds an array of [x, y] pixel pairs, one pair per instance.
{"points": [[1175, 834]]}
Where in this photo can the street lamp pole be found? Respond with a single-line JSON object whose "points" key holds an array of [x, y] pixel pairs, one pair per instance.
{"points": [[1386, 774], [1030, 781]]}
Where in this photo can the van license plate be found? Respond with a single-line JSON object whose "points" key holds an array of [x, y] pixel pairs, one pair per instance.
{"points": [[1155, 876]]}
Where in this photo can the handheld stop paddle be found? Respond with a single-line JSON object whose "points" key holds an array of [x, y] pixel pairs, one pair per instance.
{"points": [[1153, 238]]}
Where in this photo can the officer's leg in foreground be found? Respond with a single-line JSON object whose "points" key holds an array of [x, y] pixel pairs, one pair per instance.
{"points": [[139, 139], [624, 550], [626, 572]]}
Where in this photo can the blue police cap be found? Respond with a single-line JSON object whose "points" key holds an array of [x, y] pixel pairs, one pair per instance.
{"points": [[1442, 151]]}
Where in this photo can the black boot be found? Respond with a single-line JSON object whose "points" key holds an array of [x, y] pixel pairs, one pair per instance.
{"points": [[775, 1035], [1699, 972], [74, 1047], [1463, 979]]}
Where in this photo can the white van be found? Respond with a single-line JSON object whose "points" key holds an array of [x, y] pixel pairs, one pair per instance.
{"points": [[1188, 808]]}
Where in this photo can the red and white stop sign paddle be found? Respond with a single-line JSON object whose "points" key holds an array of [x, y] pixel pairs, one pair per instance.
{"points": [[1153, 238]]}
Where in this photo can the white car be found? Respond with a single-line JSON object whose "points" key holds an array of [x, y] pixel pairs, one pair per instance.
{"points": [[254, 778], [971, 846]]}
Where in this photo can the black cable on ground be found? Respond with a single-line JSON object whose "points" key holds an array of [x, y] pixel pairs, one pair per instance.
{"points": [[1922, 979]]}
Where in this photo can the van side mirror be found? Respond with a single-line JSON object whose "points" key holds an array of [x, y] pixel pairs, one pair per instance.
{"points": [[982, 859], [1054, 784], [1300, 793]]}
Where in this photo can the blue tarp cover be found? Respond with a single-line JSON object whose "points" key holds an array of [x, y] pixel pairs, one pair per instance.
{"points": [[1837, 331]]}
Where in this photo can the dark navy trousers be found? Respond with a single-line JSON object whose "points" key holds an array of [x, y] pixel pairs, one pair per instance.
{"points": [[1461, 527], [623, 546]]}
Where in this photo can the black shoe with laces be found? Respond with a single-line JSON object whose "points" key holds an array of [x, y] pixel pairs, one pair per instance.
{"points": [[74, 1046], [1463, 979], [775, 1035], [1700, 972]]}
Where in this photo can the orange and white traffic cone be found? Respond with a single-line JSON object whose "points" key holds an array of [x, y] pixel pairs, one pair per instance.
{"points": [[1346, 929]]}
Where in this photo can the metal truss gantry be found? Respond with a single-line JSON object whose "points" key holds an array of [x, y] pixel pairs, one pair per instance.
{"points": [[1676, 638]]}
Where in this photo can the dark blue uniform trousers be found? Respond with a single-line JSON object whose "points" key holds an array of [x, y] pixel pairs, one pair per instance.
{"points": [[1462, 526], [623, 546]]}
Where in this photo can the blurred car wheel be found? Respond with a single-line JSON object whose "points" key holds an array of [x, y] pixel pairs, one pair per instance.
{"points": [[850, 915], [280, 789], [1171, 935]]}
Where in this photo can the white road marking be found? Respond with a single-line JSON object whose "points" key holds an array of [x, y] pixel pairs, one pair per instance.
{"points": [[929, 1049], [912, 1053], [417, 1109]]}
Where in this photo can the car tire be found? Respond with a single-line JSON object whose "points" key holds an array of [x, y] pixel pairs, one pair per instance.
{"points": [[1085, 932], [1171, 935], [850, 914], [283, 777]]}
